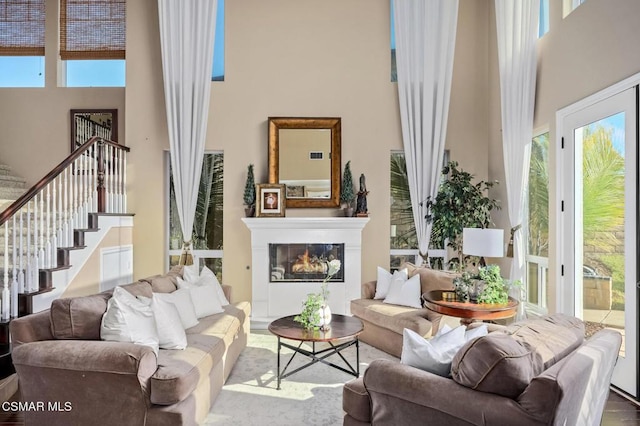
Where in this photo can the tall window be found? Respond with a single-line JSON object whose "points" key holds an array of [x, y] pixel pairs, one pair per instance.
{"points": [[22, 43], [394, 69], [93, 42], [569, 6], [538, 221], [404, 242], [543, 20], [207, 226], [218, 48]]}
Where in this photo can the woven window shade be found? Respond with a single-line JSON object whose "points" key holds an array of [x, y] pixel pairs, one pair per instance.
{"points": [[22, 27], [92, 29]]}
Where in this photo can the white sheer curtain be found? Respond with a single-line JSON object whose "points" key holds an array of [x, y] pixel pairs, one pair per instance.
{"points": [[517, 28], [425, 44], [187, 30]]}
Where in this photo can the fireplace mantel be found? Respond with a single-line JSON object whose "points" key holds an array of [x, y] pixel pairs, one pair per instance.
{"points": [[271, 300]]}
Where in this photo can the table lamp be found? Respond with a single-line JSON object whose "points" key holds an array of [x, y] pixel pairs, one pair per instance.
{"points": [[483, 242]]}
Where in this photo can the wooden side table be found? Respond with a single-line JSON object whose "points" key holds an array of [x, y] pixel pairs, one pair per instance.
{"points": [[466, 311]]}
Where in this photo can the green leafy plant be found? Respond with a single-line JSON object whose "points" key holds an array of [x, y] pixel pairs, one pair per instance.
{"points": [[460, 203], [347, 192], [249, 196], [493, 288], [310, 316]]}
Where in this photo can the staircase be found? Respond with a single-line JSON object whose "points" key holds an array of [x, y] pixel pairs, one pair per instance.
{"points": [[44, 229], [11, 187]]}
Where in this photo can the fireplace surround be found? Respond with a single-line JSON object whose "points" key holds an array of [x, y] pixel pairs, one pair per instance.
{"points": [[322, 239]]}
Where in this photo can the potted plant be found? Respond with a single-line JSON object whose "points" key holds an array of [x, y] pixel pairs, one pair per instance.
{"points": [[347, 193], [485, 286], [316, 313], [460, 203], [249, 197]]}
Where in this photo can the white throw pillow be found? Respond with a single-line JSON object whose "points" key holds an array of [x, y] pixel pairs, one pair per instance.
{"points": [[170, 332], [206, 276], [405, 292], [204, 297], [128, 319], [384, 281], [433, 355], [181, 299], [480, 331]]}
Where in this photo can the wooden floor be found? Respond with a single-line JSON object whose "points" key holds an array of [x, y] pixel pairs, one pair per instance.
{"points": [[618, 411]]}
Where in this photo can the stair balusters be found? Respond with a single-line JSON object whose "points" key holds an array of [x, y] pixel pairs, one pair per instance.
{"points": [[43, 220]]}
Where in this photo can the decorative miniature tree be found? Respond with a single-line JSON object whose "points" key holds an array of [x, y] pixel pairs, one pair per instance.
{"points": [[347, 192], [249, 197]]}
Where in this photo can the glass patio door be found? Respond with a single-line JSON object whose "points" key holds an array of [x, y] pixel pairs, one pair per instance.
{"points": [[599, 224]]}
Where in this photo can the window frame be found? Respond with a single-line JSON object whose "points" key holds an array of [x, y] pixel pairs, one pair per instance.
{"points": [[197, 254]]}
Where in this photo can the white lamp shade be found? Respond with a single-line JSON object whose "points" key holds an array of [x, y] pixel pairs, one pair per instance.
{"points": [[483, 242]]}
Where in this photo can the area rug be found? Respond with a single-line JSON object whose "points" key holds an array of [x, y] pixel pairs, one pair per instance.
{"points": [[312, 396]]}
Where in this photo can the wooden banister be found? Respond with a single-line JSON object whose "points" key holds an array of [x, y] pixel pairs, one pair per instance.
{"points": [[49, 177]]}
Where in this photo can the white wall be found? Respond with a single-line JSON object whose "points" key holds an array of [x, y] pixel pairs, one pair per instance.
{"points": [[283, 58]]}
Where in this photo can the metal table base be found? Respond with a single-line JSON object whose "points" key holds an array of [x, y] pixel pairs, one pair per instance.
{"points": [[319, 356]]}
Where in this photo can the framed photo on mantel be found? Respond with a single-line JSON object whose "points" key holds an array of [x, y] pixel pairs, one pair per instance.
{"points": [[270, 200]]}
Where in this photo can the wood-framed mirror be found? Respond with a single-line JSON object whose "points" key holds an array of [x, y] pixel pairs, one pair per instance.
{"points": [[87, 123], [304, 154]]}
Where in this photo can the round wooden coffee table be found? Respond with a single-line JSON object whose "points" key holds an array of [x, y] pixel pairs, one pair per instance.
{"points": [[466, 311], [343, 333]]}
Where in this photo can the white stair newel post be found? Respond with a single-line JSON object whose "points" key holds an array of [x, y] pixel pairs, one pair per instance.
{"points": [[29, 254], [124, 182], [21, 274], [74, 192], [54, 225], [47, 247], [41, 255], [59, 225], [95, 177], [107, 180], [89, 171], [120, 181], [116, 175], [35, 265], [85, 189], [69, 205], [5, 283], [13, 302]]}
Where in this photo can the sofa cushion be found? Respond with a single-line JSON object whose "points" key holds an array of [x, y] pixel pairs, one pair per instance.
{"points": [[180, 372], [431, 279], [139, 288], [78, 317], [496, 363], [553, 337], [356, 401], [392, 317], [166, 283]]}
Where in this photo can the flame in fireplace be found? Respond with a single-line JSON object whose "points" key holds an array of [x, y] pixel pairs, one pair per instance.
{"points": [[308, 264]]}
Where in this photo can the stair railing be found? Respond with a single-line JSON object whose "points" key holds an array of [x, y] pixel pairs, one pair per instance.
{"points": [[91, 180]]}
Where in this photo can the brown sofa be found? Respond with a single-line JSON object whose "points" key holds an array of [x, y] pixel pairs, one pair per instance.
{"points": [[113, 383], [383, 322], [535, 372]]}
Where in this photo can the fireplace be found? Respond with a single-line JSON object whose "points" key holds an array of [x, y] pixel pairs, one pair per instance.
{"points": [[275, 291], [305, 262]]}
